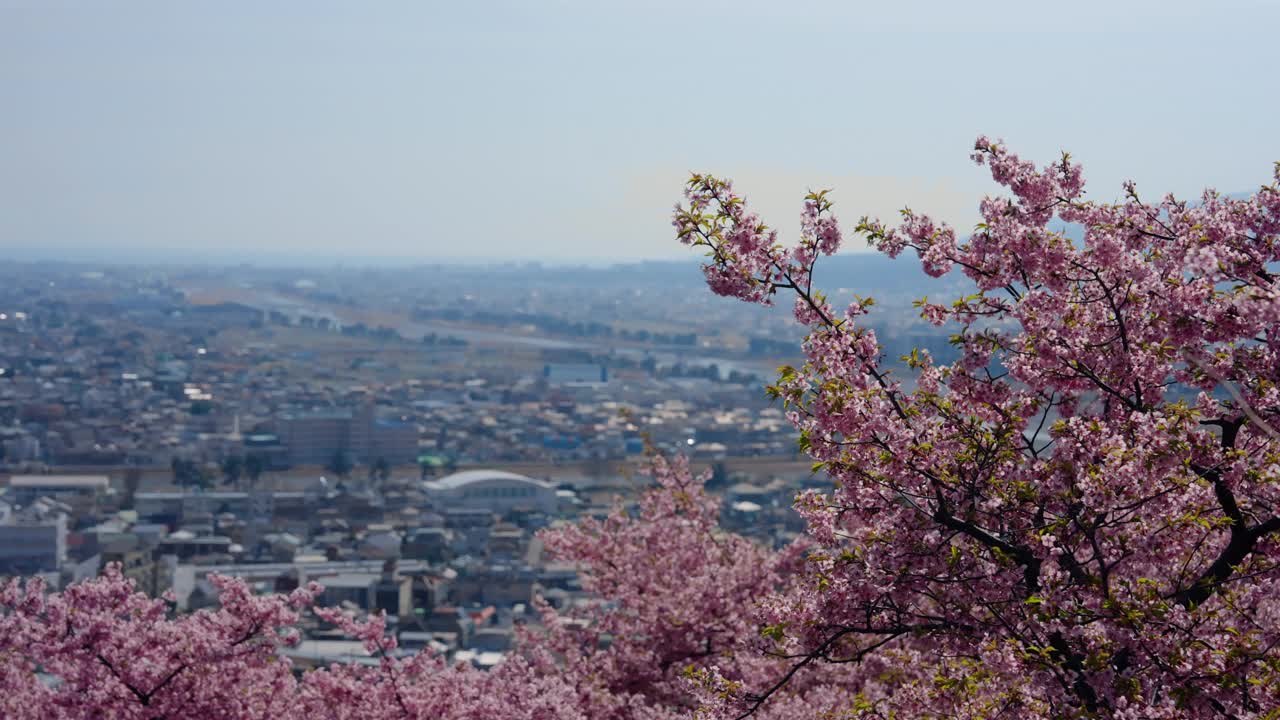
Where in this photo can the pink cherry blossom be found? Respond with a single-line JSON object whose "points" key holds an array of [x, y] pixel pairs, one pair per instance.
{"points": [[1079, 517]]}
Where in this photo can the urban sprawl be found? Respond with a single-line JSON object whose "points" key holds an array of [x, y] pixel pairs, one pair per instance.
{"points": [[398, 436]]}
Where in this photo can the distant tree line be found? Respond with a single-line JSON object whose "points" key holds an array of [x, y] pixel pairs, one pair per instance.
{"points": [[193, 473], [435, 340], [553, 325]]}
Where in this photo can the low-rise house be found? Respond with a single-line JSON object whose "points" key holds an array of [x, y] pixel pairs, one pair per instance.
{"points": [[33, 539], [82, 493]]}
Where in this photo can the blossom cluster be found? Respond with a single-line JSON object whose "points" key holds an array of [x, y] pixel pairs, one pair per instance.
{"points": [[675, 599], [1080, 516]]}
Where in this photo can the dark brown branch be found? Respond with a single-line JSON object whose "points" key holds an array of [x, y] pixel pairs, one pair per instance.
{"points": [[1073, 662], [1022, 555], [820, 653], [1237, 550]]}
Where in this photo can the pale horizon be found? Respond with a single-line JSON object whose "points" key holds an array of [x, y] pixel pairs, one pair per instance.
{"points": [[561, 132]]}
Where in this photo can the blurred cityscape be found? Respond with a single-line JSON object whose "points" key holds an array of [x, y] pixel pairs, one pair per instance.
{"points": [[398, 435]]}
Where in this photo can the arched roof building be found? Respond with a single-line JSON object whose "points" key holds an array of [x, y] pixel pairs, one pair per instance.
{"points": [[495, 490]]}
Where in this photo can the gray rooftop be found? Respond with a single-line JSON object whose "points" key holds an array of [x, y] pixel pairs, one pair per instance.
{"points": [[469, 477]]}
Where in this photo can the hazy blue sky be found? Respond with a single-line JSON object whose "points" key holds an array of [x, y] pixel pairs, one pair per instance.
{"points": [[563, 130]]}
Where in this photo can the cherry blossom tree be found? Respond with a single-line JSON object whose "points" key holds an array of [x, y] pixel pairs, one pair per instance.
{"points": [[676, 603], [423, 686], [674, 600], [1079, 517], [101, 649]]}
